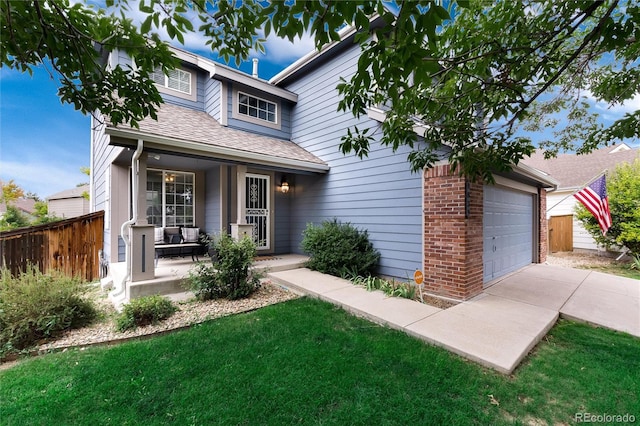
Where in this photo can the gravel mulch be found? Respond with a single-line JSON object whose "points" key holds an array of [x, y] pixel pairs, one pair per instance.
{"points": [[575, 259], [189, 313]]}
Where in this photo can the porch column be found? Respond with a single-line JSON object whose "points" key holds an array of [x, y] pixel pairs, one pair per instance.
{"points": [[141, 233], [241, 197]]}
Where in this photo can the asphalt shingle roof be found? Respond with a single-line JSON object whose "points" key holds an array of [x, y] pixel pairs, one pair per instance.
{"points": [[189, 125], [574, 171]]}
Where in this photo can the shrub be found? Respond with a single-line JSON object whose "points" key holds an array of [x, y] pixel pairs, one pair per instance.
{"points": [[34, 306], [339, 248], [144, 311], [204, 283], [229, 275]]}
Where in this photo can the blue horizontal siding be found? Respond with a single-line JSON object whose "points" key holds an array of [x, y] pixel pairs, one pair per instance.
{"points": [[378, 193]]}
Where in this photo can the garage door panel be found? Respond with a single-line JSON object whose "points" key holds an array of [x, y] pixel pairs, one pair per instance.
{"points": [[508, 231]]}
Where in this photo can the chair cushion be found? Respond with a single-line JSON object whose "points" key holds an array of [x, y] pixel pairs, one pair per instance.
{"points": [[159, 235], [190, 235]]}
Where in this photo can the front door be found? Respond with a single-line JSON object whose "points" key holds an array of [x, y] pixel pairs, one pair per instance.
{"points": [[257, 210]]}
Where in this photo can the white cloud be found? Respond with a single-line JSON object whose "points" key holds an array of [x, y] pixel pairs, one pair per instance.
{"points": [[617, 110], [279, 49]]}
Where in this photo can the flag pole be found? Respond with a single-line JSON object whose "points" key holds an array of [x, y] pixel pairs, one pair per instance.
{"points": [[579, 188]]}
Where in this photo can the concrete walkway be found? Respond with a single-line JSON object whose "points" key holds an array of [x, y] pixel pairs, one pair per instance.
{"points": [[499, 327]]}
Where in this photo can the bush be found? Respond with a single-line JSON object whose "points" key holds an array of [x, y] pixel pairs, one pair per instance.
{"points": [[229, 275], [34, 306], [339, 249], [144, 311]]}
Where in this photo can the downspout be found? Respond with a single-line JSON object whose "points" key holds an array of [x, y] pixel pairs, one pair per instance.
{"points": [[124, 229]]}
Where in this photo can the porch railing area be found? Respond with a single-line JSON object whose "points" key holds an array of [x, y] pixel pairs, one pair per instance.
{"points": [[70, 246]]}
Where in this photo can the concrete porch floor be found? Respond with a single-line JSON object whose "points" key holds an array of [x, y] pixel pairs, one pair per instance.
{"points": [[170, 273]]}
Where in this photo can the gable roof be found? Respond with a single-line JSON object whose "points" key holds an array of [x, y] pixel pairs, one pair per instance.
{"points": [[69, 193], [191, 132], [574, 171]]}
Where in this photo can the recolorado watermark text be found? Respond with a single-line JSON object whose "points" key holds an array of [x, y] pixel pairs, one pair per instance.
{"points": [[604, 418]]}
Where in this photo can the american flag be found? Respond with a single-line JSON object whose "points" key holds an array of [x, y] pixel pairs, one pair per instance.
{"points": [[594, 198]]}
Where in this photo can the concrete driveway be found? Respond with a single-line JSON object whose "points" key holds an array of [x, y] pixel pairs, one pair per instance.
{"points": [[499, 327]]}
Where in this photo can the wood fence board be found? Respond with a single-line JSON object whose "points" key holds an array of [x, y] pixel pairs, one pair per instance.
{"points": [[70, 246]]}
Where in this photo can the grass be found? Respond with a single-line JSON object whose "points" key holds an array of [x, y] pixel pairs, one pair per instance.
{"points": [[306, 361], [616, 268]]}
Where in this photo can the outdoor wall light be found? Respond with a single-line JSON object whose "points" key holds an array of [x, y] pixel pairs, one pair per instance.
{"points": [[284, 185]]}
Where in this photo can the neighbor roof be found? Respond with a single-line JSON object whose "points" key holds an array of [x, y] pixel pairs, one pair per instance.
{"points": [[574, 171], [69, 193], [183, 130], [25, 205]]}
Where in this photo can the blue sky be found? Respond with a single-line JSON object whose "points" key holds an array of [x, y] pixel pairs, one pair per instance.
{"points": [[43, 144]]}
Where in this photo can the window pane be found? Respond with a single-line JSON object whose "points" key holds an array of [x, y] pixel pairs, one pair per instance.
{"points": [[242, 109], [262, 114], [253, 102]]}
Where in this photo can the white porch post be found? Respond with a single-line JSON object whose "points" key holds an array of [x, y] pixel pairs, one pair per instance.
{"points": [[241, 183], [142, 234], [241, 228]]}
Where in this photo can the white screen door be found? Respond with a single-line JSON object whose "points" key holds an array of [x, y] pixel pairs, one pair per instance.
{"points": [[257, 211]]}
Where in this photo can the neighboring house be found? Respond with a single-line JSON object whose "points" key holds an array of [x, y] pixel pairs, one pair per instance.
{"points": [[26, 206], [69, 203], [573, 172], [225, 145]]}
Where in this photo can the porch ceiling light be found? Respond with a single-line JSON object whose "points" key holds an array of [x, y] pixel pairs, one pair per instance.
{"points": [[284, 185]]}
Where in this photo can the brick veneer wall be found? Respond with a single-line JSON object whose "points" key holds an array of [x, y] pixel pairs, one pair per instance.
{"points": [[452, 242], [543, 226]]}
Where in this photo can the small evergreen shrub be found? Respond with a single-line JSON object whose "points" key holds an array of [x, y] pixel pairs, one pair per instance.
{"points": [[144, 311], [203, 281], [339, 248], [34, 306], [230, 275]]}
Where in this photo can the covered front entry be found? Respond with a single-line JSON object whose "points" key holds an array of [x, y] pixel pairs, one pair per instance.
{"points": [[507, 230], [257, 212]]}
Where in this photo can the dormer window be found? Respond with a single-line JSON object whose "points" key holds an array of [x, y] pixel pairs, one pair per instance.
{"points": [[254, 107], [177, 79]]}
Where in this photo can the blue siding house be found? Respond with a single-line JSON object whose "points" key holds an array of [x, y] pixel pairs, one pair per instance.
{"points": [[226, 144]]}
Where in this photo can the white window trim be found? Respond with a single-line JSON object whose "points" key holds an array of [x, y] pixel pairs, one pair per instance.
{"points": [[192, 95], [166, 172], [256, 120]]}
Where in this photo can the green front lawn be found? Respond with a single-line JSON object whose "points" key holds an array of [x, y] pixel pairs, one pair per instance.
{"points": [[306, 361]]}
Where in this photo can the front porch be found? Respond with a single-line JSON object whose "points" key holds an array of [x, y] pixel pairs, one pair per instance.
{"points": [[170, 274]]}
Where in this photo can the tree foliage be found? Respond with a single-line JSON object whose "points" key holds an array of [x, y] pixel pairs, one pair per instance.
{"points": [[623, 189], [470, 73], [11, 191]]}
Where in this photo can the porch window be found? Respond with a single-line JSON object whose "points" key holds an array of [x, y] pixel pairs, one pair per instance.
{"points": [[170, 198], [177, 79]]}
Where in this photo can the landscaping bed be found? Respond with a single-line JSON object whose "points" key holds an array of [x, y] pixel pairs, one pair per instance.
{"points": [[189, 313]]}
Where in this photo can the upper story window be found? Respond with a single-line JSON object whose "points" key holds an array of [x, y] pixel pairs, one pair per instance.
{"points": [[252, 106], [177, 79]]}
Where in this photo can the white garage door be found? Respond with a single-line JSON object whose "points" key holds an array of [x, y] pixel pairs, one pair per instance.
{"points": [[507, 231]]}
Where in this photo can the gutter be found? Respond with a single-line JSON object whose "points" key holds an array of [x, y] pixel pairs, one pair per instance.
{"points": [[206, 150], [537, 175], [126, 226]]}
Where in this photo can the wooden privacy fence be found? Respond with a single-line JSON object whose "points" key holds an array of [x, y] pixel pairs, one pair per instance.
{"points": [[70, 246]]}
